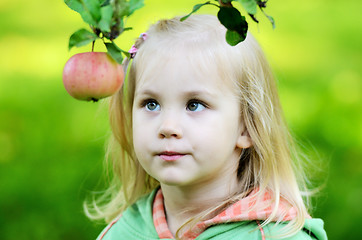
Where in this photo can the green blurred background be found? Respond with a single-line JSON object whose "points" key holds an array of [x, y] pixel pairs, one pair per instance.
{"points": [[52, 146]]}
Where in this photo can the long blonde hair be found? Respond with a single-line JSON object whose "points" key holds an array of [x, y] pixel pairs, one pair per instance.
{"points": [[271, 164]]}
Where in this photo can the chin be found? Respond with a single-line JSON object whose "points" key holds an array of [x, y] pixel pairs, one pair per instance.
{"points": [[173, 181], [174, 177]]}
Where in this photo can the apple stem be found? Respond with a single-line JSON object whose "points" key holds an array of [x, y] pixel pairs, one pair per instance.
{"points": [[93, 46]]}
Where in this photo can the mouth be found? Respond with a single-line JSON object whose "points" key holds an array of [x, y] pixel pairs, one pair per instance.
{"points": [[170, 156]]}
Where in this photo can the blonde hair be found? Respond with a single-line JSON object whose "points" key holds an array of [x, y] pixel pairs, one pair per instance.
{"points": [[271, 164]]}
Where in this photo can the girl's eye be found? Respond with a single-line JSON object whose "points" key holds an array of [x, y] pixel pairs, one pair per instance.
{"points": [[152, 105], [195, 106]]}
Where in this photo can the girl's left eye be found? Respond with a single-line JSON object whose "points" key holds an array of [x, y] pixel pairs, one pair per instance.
{"points": [[195, 106], [151, 105]]}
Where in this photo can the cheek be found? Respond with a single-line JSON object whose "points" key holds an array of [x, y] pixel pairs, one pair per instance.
{"points": [[208, 136], [218, 134], [139, 147], [142, 133]]}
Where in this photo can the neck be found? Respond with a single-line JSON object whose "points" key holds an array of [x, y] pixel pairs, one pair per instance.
{"points": [[185, 202]]}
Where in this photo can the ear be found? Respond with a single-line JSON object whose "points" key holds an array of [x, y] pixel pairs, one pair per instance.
{"points": [[244, 140]]}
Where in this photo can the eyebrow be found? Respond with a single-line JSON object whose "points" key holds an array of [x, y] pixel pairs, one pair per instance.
{"points": [[189, 94], [146, 92], [198, 93]]}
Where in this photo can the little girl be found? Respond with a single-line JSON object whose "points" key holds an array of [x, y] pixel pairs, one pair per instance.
{"points": [[200, 149]]}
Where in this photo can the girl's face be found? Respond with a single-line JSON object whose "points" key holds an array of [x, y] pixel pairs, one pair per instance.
{"points": [[187, 128]]}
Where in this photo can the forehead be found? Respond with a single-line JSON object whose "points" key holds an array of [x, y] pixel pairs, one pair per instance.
{"points": [[182, 69]]}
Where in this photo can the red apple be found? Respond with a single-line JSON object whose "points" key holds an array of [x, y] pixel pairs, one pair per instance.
{"points": [[92, 76]]}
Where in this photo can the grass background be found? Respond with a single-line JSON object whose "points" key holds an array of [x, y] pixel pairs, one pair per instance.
{"points": [[52, 146]]}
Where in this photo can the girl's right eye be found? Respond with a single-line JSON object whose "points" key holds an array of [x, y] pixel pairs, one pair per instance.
{"points": [[151, 105]]}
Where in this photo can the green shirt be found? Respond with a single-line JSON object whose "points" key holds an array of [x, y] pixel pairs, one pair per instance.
{"points": [[136, 223]]}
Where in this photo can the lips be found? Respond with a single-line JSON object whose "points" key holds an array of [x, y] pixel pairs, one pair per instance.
{"points": [[170, 156]]}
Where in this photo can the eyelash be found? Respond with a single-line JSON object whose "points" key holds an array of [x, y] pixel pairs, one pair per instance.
{"points": [[194, 100], [144, 102], [147, 101], [198, 101]]}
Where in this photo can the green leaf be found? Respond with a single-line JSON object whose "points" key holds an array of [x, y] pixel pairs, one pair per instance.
{"points": [[94, 8], [78, 6], [105, 3], [75, 5], [121, 9], [231, 18], [106, 19], [115, 52], [134, 5], [127, 29], [233, 38], [81, 37], [88, 18], [249, 5], [271, 19], [227, 1], [195, 9]]}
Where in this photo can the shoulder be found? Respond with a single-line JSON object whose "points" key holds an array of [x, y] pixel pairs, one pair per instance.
{"points": [[107, 230], [134, 223], [313, 229]]}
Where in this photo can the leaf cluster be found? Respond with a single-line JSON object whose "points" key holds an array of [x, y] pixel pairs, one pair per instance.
{"points": [[106, 20], [232, 19]]}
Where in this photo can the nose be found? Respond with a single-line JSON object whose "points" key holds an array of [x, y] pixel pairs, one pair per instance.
{"points": [[170, 127]]}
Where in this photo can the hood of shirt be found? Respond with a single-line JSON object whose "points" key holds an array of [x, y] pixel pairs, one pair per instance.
{"points": [[236, 222]]}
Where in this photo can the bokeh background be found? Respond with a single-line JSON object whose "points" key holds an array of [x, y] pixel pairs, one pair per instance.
{"points": [[52, 146]]}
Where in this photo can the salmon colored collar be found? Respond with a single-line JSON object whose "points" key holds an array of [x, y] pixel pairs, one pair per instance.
{"points": [[243, 210]]}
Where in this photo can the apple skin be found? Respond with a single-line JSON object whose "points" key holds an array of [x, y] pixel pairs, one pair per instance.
{"points": [[92, 76]]}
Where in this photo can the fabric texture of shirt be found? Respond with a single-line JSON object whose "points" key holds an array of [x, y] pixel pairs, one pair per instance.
{"points": [[146, 220], [235, 213]]}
